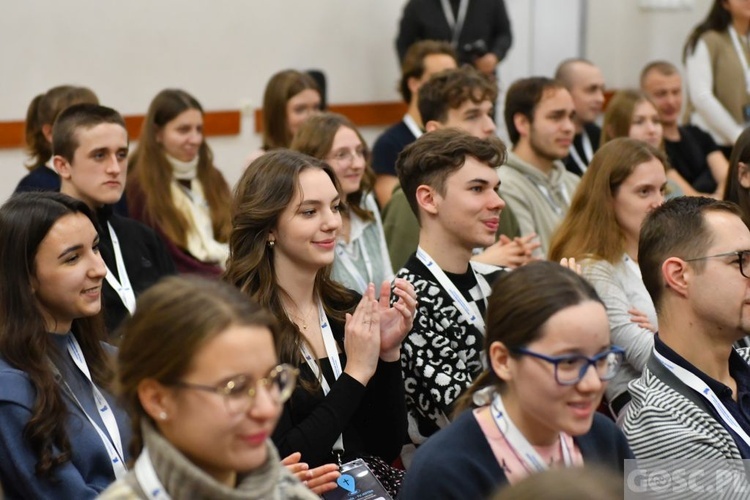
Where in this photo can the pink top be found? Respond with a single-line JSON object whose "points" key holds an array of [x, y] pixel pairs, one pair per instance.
{"points": [[506, 455]]}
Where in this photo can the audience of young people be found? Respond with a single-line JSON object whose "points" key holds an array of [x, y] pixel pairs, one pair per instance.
{"points": [[380, 361]]}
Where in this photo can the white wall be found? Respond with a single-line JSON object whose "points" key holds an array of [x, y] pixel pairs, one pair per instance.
{"points": [[224, 51]]}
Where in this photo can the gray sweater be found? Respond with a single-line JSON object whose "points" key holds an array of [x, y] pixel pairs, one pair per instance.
{"points": [[539, 201]]}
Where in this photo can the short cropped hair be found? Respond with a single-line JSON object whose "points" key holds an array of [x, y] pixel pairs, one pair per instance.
{"points": [[676, 229], [432, 158], [564, 71], [523, 97], [662, 67], [413, 64], [451, 88], [67, 124]]}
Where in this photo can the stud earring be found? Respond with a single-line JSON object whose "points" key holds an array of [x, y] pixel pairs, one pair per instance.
{"points": [[163, 415], [271, 243]]}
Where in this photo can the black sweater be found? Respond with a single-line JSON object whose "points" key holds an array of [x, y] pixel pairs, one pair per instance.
{"points": [[372, 418], [145, 256]]}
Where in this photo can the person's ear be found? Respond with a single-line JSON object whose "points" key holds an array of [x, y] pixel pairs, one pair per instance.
{"points": [[432, 125], [62, 166], [427, 199], [157, 400], [522, 124], [413, 83], [743, 174], [500, 360], [47, 132], [677, 275]]}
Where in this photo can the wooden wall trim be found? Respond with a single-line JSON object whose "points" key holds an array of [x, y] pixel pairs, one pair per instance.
{"points": [[366, 114], [215, 123]]}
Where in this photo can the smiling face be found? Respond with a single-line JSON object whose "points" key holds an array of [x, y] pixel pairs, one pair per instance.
{"points": [[641, 192], [347, 158], [305, 235], [645, 125], [97, 173], [199, 423], [301, 107], [68, 272], [182, 137], [539, 406], [469, 211]]}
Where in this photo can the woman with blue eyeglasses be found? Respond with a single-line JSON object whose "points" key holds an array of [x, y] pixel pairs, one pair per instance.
{"points": [[361, 251], [550, 358]]}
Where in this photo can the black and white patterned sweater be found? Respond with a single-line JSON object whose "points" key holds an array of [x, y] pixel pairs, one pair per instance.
{"points": [[442, 354]]}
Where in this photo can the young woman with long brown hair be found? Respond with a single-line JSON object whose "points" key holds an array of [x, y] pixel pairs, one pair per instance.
{"points": [[174, 187], [350, 402], [361, 250], [62, 435], [625, 181]]}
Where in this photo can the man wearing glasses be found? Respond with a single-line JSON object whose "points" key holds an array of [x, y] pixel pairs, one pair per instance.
{"points": [[693, 398]]}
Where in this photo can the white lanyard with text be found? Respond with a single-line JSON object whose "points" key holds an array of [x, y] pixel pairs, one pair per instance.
{"points": [[741, 54], [411, 124], [545, 192], [694, 382], [346, 260], [469, 311], [123, 288], [113, 446], [588, 150], [147, 478], [456, 25], [530, 458], [332, 353]]}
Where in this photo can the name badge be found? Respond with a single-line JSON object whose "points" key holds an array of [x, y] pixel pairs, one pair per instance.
{"points": [[357, 482]]}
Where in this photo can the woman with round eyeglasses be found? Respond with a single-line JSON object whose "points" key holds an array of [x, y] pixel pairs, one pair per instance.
{"points": [[550, 359], [361, 251], [198, 371]]}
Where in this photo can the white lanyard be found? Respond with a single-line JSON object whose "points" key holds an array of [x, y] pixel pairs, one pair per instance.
{"points": [[114, 447], [411, 124], [632, 265], [456, 25], [346, 260], [588, 150], [529, 457], [469, 311], [332, 353], [545, 192], [123, 288], [741, 54], [147, 478], [699, 386]]}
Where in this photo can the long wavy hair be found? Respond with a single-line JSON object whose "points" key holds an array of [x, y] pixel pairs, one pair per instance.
{"points": [[265, 190], [518, 308], [590, 228], [718, 19], [315, 138], [150, 173], [279, 90], [174, 319], [42, 111], [25, 343]]}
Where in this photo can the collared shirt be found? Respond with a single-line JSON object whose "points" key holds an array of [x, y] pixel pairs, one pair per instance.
{"points": [[740, 372]]}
